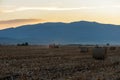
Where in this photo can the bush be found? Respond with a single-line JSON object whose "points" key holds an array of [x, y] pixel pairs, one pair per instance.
{"points": [[23, 44]]}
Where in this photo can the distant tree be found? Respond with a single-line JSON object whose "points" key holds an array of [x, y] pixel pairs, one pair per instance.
{"points": [[26, 44], [108, 44], [23, 44], [18, 44]]}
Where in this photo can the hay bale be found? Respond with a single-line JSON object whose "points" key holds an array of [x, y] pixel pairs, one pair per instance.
{"points": [[53, 46], [112, 48], [99, 53], [83, 49]]}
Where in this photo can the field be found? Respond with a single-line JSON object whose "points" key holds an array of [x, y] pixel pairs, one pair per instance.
{"points": [[63, 63]]}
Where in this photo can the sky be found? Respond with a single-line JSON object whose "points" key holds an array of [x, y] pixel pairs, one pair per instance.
{"points": [[15, 13]]}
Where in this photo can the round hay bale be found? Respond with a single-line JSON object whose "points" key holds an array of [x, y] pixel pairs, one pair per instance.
{"points": [[99, 53], [83, 49], [53, 46], [112, 48]]}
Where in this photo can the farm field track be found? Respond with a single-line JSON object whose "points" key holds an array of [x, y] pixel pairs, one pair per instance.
{"points": [[63, 63]]}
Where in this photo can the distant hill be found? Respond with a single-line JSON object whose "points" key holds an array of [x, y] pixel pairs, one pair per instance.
{"points": [[63, 33]]}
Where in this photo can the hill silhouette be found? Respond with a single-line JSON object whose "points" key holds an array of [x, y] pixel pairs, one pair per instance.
{"points": [[64, 33]]}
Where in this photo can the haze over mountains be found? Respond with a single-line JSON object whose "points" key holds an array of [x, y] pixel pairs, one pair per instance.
{"points": [[82, 32]]}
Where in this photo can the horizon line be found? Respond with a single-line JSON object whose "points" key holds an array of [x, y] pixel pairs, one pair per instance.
{"points": [[60, 22]]}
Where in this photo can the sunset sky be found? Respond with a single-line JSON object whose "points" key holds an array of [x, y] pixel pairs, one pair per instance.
{"points": [[21, 12]]}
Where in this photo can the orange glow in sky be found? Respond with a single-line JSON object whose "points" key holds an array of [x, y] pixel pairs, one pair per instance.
{"points": [[15, 13]]}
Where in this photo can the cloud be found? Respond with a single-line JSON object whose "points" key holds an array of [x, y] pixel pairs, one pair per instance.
{"points": [[44, 8], [18, 22], [56, 8]]}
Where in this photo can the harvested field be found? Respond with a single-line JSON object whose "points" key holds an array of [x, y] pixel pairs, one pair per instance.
{"points": [[63, 63]]}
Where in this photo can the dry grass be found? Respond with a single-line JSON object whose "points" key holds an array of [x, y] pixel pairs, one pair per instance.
{"points": [[64, 63]]}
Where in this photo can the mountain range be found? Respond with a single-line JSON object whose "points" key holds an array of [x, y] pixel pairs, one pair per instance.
{"points": [[81, 32]]}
